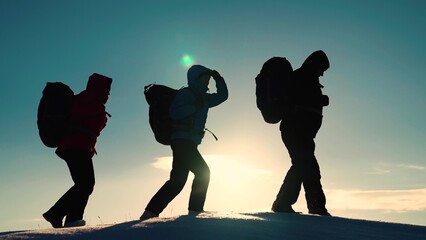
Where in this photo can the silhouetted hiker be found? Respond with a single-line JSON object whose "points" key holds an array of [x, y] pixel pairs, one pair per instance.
{"points": [[77, 148], [298, 130], [189, 114]]}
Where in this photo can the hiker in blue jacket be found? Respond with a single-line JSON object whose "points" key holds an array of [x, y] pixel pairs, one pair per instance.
{"points": [[189, 114]]}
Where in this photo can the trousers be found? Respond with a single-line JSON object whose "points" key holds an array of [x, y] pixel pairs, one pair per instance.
{"points": [[298, 137], [186, 158], [73, 203]]}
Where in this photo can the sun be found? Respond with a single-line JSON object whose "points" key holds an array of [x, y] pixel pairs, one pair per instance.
{"points": [[246, 186], [187, 60]]}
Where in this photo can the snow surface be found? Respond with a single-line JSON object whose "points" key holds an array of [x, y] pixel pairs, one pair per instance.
{"points": [[211, 225]]}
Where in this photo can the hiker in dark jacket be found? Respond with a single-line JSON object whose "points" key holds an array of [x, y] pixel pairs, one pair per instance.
{"points": [[88, 117], [189, 114], [298, 130]]}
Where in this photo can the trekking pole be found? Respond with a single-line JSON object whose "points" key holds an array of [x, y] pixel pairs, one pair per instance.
{"points": [[211, 133]]}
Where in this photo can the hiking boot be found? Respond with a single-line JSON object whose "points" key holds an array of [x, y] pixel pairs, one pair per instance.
{"points": [[147, 215], [194, 213], [282, 209], [78, 223], [324, 213], [56, 222]]}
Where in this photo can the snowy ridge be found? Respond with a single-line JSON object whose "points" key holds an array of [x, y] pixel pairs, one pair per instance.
{"points": [[211, 225]]}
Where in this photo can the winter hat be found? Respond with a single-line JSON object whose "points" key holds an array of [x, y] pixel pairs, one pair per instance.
{"points": [[195, 71]]}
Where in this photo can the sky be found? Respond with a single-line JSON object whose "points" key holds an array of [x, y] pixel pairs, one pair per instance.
{"points": [[371, 147]]}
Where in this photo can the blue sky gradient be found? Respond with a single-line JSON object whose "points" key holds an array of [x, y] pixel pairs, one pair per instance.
{"points": [[371, 148]]}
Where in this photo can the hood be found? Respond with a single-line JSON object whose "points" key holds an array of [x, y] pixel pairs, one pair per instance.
{"points": [[98, 83], [193, 73], [100, 86], [316, 60]]}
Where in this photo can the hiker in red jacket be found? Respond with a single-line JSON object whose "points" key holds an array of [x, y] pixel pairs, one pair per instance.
{"points": [[88, 117]]}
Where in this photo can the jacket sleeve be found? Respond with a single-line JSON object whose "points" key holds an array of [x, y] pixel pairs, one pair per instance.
{"points": [[182, 105], [220, 96]]}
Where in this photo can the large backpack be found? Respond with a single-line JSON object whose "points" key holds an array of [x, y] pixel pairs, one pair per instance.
{"points": [[54, 111], [159, 98], [272, 88]]}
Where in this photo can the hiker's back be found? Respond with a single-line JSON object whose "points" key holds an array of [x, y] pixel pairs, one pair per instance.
{"points": [[88, 118], [88, 115]]}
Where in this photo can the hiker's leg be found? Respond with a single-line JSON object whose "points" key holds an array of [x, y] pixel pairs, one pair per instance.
{"points": [[315, 197], [175, 184], [75, 199], [201, 181], [83, 175], [290, 189]]}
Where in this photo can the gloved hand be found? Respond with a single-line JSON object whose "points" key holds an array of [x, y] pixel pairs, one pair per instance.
{"points": [[216, 75], [325, 100]]}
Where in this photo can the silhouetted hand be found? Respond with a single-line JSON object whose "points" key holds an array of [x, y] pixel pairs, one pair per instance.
{"points": [[325, 100], [216, 75]]}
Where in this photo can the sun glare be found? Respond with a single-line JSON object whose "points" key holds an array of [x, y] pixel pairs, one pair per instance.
{"points": [[234, 184], [230, 170], [187, 60]]}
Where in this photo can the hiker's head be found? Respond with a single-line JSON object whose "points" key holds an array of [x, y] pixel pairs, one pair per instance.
{"points": [[317, 63], [198, 77], [100, 85]]}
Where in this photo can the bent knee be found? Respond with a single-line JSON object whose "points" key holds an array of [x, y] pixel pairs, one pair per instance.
{"points": [[203, 174], [206, 172], [177, 184], [86, 188]]}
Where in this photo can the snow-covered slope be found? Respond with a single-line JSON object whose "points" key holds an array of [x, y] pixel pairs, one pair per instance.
{"points": [[214, 226]]}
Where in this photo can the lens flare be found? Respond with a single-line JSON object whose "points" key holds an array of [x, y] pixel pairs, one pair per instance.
{"points": [[187, 60]]}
